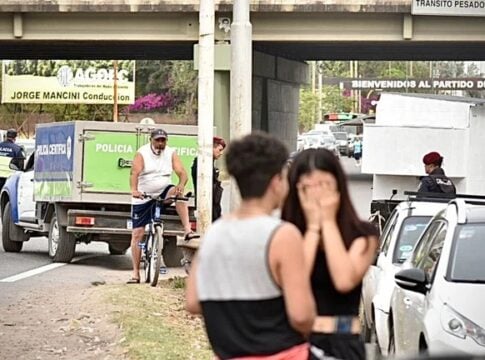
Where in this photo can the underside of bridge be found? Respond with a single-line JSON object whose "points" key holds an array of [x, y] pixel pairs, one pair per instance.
{"points": [[296, 50]]}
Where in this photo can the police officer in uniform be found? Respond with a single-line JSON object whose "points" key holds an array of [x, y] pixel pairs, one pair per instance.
{"points": [[9, 148], [436, 181]]}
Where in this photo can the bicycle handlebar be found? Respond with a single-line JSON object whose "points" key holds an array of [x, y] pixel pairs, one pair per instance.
{"points": [[168, 200]]}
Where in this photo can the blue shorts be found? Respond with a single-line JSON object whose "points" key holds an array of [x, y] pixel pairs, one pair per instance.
{"points": [[142, 214]]}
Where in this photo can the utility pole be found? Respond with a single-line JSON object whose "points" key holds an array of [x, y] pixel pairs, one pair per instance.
{"points": [[205, 115], [314, 87], [320, 90], [241, 70], [352, 91], [241, 78], [115, 91]]}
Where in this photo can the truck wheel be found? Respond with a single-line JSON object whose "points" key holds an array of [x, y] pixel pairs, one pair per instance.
{"points": [[8, 244], [62, 244], [118, 249], [172, 254]]}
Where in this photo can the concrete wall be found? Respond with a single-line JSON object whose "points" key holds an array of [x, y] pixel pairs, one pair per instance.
{"points": [[276, 95]]}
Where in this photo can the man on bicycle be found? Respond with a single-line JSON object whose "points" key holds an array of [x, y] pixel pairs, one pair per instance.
{"points": [[151, 172]]}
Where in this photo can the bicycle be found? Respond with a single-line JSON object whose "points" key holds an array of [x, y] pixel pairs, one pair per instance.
{"points": [[152, 246]]}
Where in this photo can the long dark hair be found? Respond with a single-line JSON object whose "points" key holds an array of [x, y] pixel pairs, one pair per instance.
{"points": [[351, 227]]}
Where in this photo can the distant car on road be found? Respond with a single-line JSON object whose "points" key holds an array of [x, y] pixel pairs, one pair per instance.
{"points": [[438, 307], [342, 139]]}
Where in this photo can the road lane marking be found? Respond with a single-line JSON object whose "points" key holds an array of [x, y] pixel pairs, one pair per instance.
{"points": [[44, 268]]}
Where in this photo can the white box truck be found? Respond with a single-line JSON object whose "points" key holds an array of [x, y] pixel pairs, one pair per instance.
{"points": [[75, 187]]}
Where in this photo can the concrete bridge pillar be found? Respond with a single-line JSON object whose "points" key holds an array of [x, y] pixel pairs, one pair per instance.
{"points": [[275, 93]]}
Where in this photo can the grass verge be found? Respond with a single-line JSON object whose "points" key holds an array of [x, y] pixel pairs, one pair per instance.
{"points": [[155, 324]]}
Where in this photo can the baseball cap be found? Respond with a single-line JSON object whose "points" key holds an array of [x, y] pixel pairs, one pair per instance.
{"points": [[159, 134]]}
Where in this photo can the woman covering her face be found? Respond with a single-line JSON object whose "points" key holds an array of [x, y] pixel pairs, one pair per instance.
{"points": [[339, 249]]}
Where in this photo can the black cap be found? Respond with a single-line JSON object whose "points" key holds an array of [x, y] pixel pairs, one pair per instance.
{"points": [[11, 133], [159, 134]]}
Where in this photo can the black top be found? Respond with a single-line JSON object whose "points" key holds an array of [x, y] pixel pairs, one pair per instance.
{"points": [[437, 182], [249, 328], [329, 301], [216, 189]]}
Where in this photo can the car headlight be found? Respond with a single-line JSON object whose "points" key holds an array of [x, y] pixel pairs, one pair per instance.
{"points": [[456, 324]]}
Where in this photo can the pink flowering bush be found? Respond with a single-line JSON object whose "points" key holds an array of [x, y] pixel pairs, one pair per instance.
{"points": [[152, 102]]}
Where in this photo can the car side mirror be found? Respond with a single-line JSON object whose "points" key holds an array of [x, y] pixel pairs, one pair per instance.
{"points": [[412, 279], [13, 166]]}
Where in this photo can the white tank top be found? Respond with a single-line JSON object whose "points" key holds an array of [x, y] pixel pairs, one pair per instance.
{"points": [[156, 173]]}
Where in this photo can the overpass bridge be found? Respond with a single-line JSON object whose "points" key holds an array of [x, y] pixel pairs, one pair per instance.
{"points": [[299, 29], [285, 33]]}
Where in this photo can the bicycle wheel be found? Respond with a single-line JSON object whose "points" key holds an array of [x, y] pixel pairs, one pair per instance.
{"points": [[156, 256], [146, 256]]}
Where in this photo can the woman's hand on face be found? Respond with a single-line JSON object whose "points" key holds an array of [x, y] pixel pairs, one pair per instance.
{"points": [[329, 199], [308, 194]]}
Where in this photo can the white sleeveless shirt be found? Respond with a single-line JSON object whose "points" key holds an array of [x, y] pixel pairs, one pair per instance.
{"points": [[156, 173]]}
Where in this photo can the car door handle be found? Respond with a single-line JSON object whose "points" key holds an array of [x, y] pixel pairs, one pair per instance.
{"points": [[407, 301]]}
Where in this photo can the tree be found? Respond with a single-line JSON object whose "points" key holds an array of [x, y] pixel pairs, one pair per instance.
{"points": [[334, 101], [307, 111]]}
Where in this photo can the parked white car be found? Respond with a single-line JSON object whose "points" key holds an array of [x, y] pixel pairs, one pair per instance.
{"points": [[406, 223], [438, 307]]}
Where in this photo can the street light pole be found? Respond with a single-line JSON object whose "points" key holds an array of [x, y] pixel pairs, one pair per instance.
{"points": [[115, 91], [320, 92], [205, 115], [241, 77]]}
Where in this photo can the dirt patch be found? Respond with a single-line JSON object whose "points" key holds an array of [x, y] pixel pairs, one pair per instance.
{"points": [[53, 323], [109, 320]]}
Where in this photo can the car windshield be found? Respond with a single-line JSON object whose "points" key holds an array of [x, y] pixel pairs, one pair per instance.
{"points": [[340, 136], [411, 229], [468, 254], [328, 139]]}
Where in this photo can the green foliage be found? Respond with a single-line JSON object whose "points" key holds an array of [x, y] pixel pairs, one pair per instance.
{"points": [[335, 101], [307, 114], [176, 77], [335, 68], [183, 85], [177, 282], [332, 101]]}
